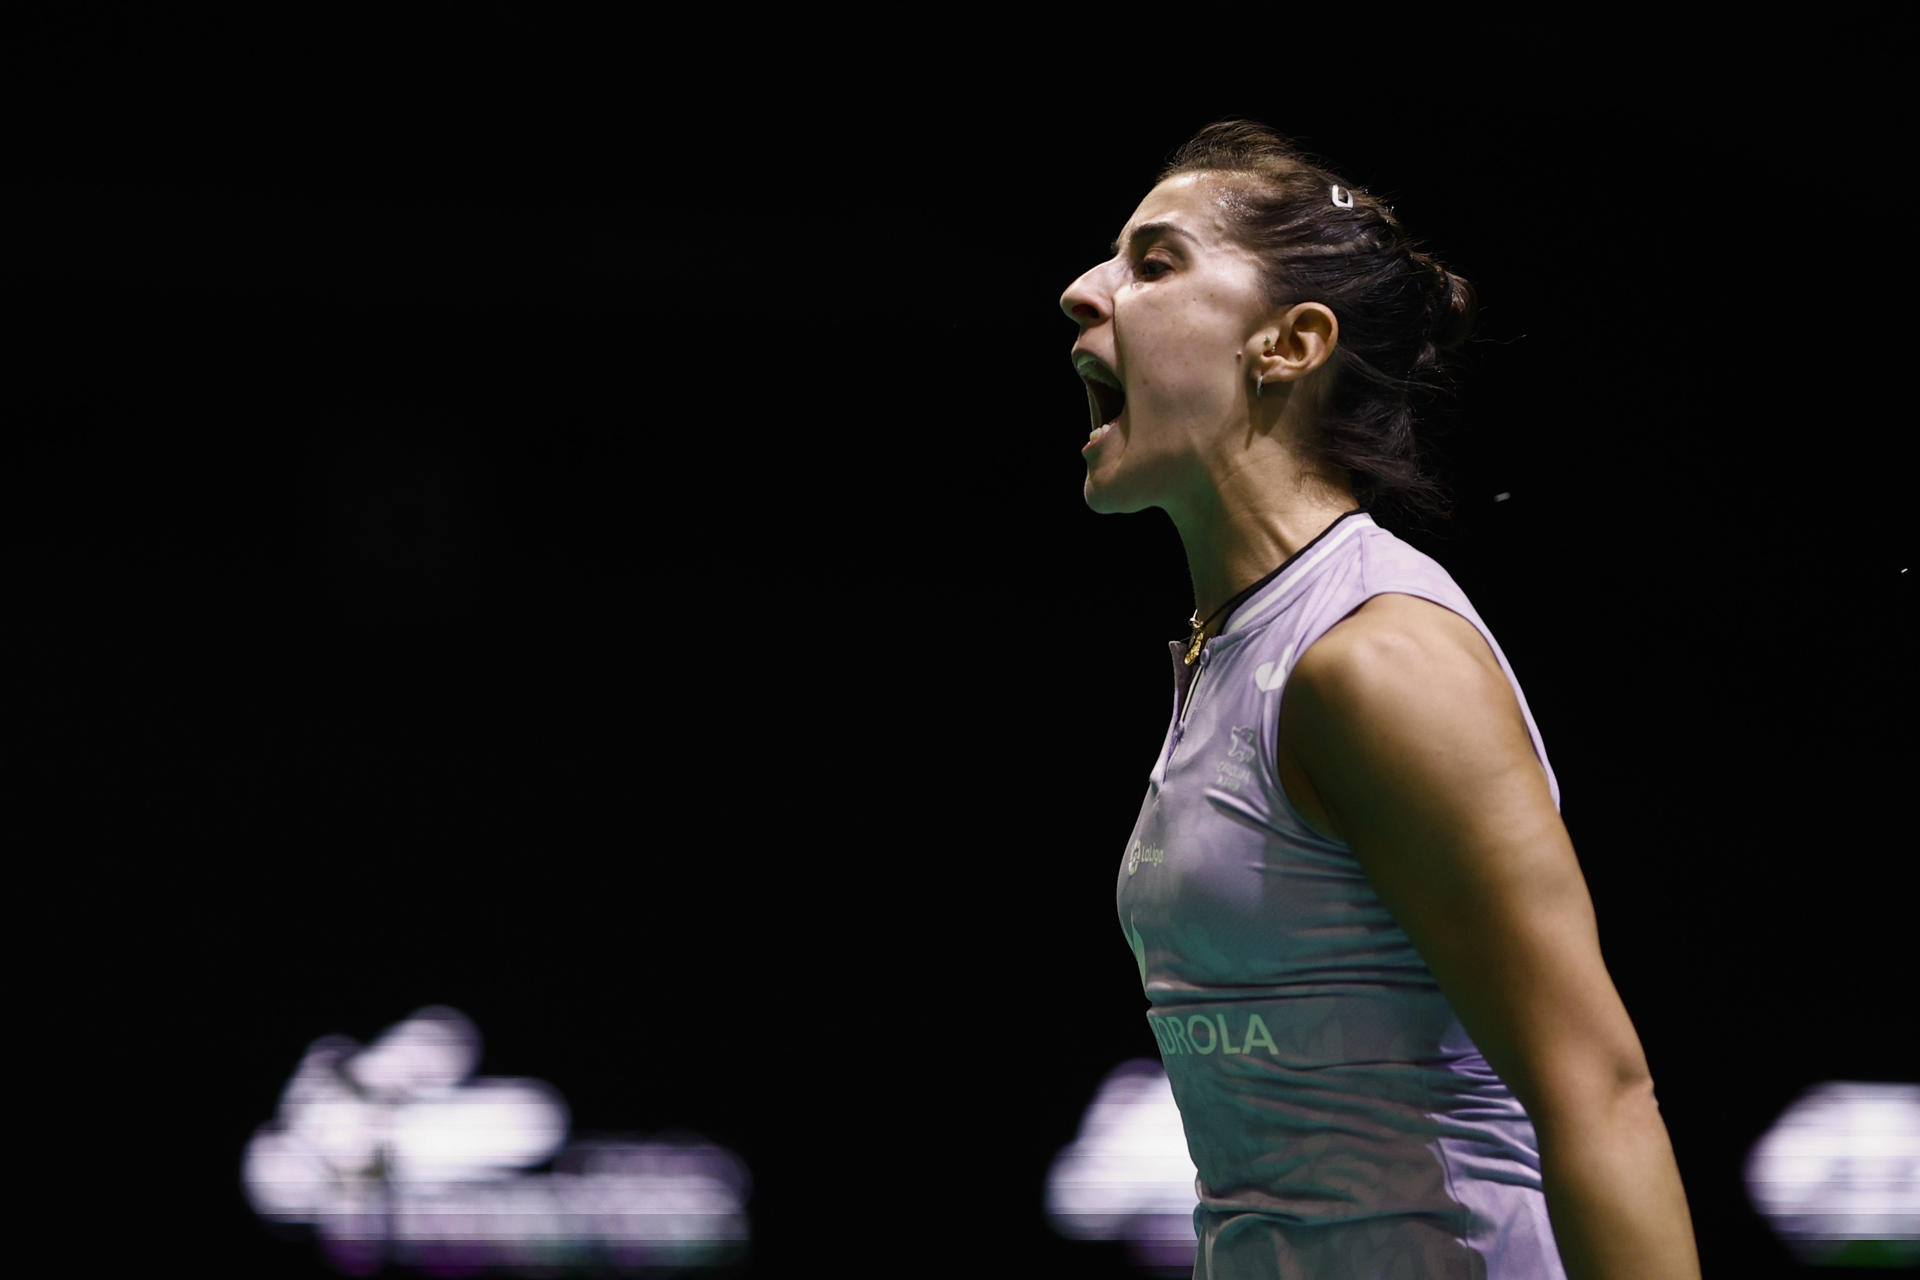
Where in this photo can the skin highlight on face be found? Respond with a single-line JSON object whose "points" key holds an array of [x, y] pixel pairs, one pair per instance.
{"points": [[1218, 382]]}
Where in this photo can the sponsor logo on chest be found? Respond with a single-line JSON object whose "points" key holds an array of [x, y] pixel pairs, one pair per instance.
{"points": [[1233, 773], [1143, 852]]}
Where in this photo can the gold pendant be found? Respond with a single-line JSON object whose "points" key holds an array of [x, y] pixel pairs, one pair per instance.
{"points": [[1193, 650]]}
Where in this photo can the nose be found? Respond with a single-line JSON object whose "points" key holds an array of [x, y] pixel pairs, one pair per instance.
{"points": [[1085, 301]]}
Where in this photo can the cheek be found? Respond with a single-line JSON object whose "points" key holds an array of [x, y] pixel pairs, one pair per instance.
{"points": [[1180, 356], [1189, 378], [1196, 355]]}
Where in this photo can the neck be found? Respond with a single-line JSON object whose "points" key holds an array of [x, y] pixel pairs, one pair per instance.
{"points": [[1255, 501], [1241, 536]]}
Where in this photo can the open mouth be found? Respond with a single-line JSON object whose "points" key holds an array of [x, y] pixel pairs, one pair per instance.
{"points": [[1106, 398]]}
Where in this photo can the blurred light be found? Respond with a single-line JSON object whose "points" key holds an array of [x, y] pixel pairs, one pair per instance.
{"points": [[1127, 1175], [396, 1155], [1501, 497], [1838, 1175]]}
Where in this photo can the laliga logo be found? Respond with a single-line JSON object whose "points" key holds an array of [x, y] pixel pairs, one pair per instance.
{"points": [[395, 1152]]}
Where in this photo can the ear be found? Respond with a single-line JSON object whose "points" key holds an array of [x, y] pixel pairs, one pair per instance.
{"points": [[1303, 338]]}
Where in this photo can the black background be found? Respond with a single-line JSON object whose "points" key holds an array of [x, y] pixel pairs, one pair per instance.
{"points": [[579, 520]]}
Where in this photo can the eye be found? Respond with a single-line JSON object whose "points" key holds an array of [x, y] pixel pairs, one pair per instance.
{"points": [[1152, 268]]}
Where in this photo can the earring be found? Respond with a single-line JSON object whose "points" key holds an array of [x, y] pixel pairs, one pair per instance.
{"points": [[1259, 381]]}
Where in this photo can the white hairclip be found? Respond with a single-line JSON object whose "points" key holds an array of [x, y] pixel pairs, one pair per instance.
{"points": [[1342, 198]]}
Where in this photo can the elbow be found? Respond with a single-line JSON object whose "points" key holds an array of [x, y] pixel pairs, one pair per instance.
{"points": [[1601, 1094], [1630, 1077]]}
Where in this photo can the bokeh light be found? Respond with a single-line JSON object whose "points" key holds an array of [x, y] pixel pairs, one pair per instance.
{"points": [[1837, 1176], [1127, 1176], [396, 1155]]}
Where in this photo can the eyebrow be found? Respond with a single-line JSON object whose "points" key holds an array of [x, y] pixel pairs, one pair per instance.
{"points": [[1147, 230]]}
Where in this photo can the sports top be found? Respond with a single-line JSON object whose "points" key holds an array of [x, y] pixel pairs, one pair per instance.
{"points": [[1340, 1119]]}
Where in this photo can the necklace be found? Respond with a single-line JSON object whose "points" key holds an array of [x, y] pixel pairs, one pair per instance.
{"points": [[1201, 630]]}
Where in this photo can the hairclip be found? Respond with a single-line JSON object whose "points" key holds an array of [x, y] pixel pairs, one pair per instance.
{"points": [[1342, 198]]}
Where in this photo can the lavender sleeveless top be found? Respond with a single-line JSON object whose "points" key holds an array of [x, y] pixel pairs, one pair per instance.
{"points": [[1342, 1123]]}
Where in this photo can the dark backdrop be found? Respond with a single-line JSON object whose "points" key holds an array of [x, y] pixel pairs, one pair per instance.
{"points": [[580, 521]]}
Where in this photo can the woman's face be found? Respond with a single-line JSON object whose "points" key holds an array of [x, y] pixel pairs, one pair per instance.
{"points": [[1174, 317]]}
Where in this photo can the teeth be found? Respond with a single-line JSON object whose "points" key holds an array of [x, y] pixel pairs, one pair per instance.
{"points": [[1098, 431], [1106, 394]]}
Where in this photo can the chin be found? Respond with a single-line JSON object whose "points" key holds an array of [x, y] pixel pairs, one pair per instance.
{"points": [[1104, 500], [1118, 484]]}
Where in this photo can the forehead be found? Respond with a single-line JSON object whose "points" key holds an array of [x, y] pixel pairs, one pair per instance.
{"points": [[1196, 203]]}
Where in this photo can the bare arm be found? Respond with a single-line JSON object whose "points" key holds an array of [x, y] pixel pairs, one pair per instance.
{"points": [[1411, 738]]}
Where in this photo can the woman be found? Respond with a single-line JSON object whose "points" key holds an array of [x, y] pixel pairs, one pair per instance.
{"points": [[1369, 952]]}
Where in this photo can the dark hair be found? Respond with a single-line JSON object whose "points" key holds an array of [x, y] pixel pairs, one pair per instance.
{"points": [[1400, 311]]}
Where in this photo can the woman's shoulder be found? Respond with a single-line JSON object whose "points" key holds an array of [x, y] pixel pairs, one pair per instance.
{"points": [[1405, 614], [1398, 668], [1397, 619]]}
